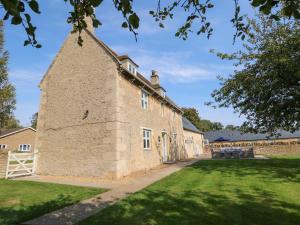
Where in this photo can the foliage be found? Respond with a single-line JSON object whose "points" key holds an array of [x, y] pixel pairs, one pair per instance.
{"points": [[232, 127], [34, 119], [265, 88], [11, 122], [24, 200], [192, 115], [7, 91], [215, 192], [19, 12]]}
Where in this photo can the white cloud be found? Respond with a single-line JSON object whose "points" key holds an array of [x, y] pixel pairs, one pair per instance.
{"points": [[176, 67]]}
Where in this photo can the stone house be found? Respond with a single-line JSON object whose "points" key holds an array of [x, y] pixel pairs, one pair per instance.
{"points": [[100, 117], [18, 139]]}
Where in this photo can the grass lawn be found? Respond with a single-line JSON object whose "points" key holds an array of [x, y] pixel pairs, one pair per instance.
{"points": [[218, 192], [24, 200]]}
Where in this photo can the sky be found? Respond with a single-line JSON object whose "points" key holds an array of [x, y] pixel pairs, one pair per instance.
{"points": [[187, 69]]}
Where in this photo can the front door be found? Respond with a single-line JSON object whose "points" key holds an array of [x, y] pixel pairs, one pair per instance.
{"points": [[164, 147]]}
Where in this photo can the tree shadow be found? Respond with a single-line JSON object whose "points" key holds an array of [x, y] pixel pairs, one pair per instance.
{"points": [[283, 169], [170, 204], [21, 213], [198, 208]]}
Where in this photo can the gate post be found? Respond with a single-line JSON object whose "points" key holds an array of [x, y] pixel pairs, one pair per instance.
{"points": [[7, 165]]}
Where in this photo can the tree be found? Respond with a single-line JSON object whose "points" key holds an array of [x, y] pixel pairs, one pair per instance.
{"points": [[34, 120], [232, 127], [192, 115], [265, 88], [7, 91], [11, 122], [19, 12]]}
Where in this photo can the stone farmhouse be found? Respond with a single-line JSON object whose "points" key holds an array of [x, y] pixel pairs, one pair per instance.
{"points": [[100, 117]]}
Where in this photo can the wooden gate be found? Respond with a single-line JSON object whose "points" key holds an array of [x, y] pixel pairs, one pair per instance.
{"points": [[19, 164]]}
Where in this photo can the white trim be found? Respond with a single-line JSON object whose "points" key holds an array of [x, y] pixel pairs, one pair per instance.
{"points": [[21, 150], [149, 131], [3, 146], [14, 132]]}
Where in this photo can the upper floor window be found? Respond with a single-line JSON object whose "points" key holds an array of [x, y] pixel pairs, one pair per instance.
{"points": [[24, 148], [144, 100], [131, 68], [2, 146], [146, 139]]}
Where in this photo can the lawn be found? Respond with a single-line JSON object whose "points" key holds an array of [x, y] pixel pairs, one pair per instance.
{"points": [[24, 200], [218, 192]]}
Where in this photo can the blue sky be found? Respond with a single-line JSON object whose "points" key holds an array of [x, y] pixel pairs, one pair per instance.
{"points": [[187, 69]]}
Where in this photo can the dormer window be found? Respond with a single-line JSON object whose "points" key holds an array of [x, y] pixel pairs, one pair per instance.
{"points": [[131, 68]]}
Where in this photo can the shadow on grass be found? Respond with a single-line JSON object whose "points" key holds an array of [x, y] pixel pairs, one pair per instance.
{"points": [[21, 213], [284, 169], [198, 208], [159, 205]]}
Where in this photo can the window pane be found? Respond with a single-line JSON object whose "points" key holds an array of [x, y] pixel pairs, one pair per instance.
{"points": [[148, 143]]}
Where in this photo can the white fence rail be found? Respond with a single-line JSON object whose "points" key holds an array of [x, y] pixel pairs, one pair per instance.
{"points": [[20, 164]]}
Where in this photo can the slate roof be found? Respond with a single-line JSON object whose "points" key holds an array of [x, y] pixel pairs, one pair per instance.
{"points": [[233, 135], [187, 125]]}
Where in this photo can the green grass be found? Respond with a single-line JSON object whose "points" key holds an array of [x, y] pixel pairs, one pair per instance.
{"points": [[25, 200], [218, 192]]}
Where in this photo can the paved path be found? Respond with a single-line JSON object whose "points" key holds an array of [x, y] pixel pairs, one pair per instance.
{"points": [[75, 213]]}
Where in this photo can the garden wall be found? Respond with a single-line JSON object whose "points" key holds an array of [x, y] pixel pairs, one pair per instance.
{"points": [[3, 163], [266, 149], [277, 149]]}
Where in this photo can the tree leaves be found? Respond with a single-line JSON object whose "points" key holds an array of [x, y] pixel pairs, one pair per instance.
{"points": [[195, 10], [266, 88]]}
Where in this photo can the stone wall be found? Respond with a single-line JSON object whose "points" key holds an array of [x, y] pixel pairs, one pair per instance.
{"points": [[76, 132], [266, 149], [3, 163], [133, 118], [277, 149]]}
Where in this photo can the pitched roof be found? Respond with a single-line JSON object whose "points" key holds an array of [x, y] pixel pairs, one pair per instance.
{"points": [[234, 135], [187, 125], [118, 58], [4, 133]]}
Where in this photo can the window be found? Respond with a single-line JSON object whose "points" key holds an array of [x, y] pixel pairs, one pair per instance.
{"points": [[24, 148], [146, 139], [131, 68], [144, 100], [2, 146], [162, 108]]}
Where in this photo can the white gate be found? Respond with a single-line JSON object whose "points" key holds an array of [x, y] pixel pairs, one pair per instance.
{"points": [[19, 164]]}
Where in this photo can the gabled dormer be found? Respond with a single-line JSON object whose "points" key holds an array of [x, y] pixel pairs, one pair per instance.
{"points": [[128, 64]]}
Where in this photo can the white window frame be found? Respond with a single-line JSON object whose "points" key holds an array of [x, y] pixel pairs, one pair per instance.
{"points": [[145, 99], [22, 149], [147, 136], [132, 68], [3, 146]]}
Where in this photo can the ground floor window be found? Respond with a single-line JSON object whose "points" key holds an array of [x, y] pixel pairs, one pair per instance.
{"points": [[2, 146], [24, 148], [146, 139]]}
